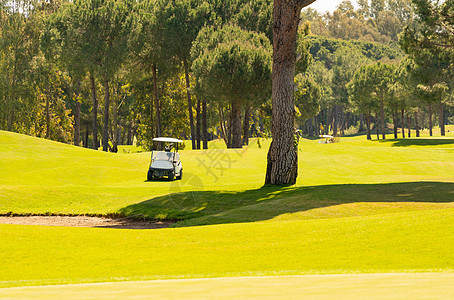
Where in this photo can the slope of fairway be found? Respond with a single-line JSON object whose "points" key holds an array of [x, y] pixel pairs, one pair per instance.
{"points": [[402, 242], [358, 207], [354, 177]]}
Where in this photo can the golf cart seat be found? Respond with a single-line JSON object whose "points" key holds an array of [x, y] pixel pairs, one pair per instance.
{"points": [[167, 156]]}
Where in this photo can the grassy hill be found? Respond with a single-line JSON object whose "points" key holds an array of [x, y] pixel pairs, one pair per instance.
{"points": [[43, 177], [358, 207]]}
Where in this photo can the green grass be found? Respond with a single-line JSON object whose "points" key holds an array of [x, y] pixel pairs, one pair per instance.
{"points": [[345, 286], [402, 242], [358, 207]]}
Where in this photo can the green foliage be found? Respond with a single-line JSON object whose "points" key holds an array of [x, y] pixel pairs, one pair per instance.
{"points": [[230, 63], [307, 98]]}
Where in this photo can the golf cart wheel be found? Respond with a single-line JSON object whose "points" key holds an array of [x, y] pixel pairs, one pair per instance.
{"points": [[150, 175], [171, 175], [179, 177]]}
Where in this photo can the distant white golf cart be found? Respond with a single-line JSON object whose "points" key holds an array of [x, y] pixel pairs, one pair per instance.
{"points": [[326, 139], [165, 163]]}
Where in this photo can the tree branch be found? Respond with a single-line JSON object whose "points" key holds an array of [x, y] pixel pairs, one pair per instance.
{"points": [[304, 3]]}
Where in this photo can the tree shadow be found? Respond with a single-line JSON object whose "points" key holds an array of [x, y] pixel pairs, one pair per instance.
{"points": [[419, 142], [196, 208]]}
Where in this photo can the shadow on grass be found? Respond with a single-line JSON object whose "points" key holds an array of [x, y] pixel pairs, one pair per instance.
{"points": [[419, 142], [220, 207]]}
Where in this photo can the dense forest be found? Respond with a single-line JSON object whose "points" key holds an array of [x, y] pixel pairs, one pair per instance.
{"points": [[103, 73]]}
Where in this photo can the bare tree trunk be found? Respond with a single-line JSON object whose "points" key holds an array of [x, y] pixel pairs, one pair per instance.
{"points": [[282, 161], [403, 123], [204, 124], [382, 118], [430, 119], [377, 120], [441, 119], [310, 128], [105, 129], [191, 118], [199, 123], [368, 125], [222, 125], [361, 123], [47, 113], [156, 102], [395, 123], [77, 116], [87, 132], [335, 119], [246, 120], [409, 124], [95, 111], [417, 124], [237, 142]]}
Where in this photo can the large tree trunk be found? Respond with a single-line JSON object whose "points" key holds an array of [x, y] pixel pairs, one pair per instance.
{"points": [[282, 161], [188, 93], [403, 122], [246, 120], [198, 123], [156, 102], [417, 124], [105, 128], [430, 119], [236, 142], [94, 111], [441, 119], [368, 125], [204, 124]]}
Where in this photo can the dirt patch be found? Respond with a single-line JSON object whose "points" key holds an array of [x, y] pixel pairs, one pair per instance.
{"points": [[84, 221]]}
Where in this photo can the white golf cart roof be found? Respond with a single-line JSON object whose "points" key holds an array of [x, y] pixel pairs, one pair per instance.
{"points": [[166, 139]]}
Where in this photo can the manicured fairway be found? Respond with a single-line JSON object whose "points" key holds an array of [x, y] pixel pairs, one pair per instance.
{"points": [[358, 207], [401, 242], [346, 286]]}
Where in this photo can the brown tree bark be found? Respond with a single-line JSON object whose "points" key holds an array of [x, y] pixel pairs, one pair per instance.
{"points": [[441, 119], [94, 111], [409, 125], [191, 117], [395, 123], [382, 117], [403, 123], [105, 128], [198, 123], [77, 116], [282, 161], [246, 121], [204, 124], [236, 142], [430, 119], [417, 124], [368, 117], [377, 126]]}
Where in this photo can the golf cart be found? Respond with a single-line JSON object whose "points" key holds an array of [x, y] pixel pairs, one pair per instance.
{"points": [[165, 163]]}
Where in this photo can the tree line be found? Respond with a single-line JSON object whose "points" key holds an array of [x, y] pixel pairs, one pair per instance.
{"points": [[380, 63], [110, 72]]}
